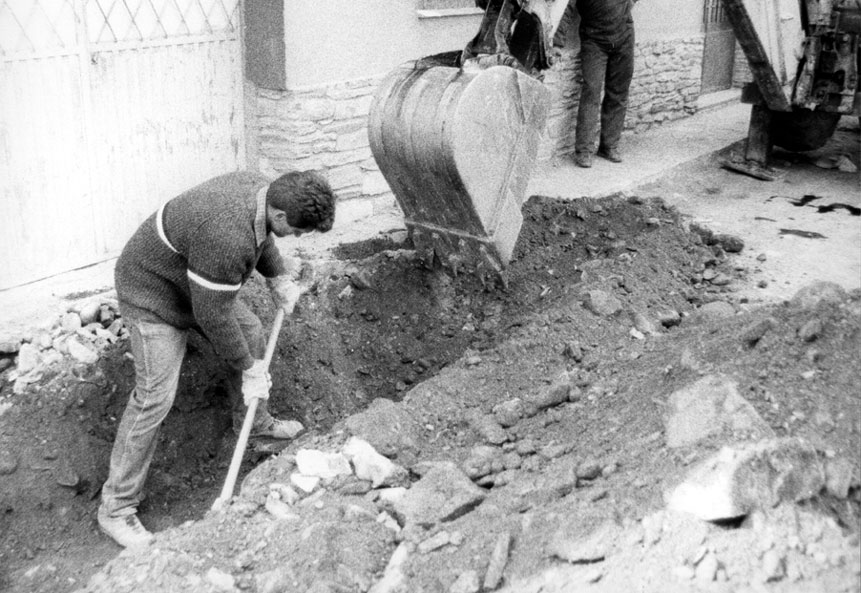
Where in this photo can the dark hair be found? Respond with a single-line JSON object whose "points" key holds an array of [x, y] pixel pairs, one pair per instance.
{"points": [[306, 198]]}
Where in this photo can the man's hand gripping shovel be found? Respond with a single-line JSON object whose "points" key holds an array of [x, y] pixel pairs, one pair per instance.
{"points": [[288, 303]]}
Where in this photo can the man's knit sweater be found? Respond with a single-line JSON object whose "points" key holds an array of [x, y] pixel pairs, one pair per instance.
{"points": [[187, 262]]}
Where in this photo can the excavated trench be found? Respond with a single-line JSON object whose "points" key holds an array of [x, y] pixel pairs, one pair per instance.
{"points": [[378, 324]]}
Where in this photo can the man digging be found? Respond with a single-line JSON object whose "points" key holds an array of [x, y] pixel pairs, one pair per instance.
{"points": [[183, 269]]}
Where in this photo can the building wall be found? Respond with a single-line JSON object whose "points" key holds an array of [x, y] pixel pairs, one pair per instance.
{"points": [[337, 52]]}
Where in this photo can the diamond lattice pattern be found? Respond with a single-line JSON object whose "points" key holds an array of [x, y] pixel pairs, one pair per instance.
{"points": [[30, 26], [39, 25]]}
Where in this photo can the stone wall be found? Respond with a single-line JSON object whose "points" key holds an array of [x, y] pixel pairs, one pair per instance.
{"points": [[322, 128], [325, 128]]}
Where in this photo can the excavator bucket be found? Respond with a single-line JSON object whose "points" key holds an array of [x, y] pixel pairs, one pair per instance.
{"points": [[457, 146]]}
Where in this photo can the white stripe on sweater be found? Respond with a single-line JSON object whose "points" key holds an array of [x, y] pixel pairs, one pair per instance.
{"points": [[159, 225], [212, 285]]}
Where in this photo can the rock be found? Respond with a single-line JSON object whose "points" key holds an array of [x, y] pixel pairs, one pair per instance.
{"points": [[757, 330], [509, 412], [643, 324], [479, 463], [498, 560], [71, 322], [5, 363], [601, 303], [80, 352], [669, 318], [773, 566], [708, 407], [9, 345], [393, 576], [730, 243], [8, 463], [818, 292], [370, 465], [716, 310], [811, 330], [444, 493], [279, 509], [721, 279], [845, 164], [387, 426], [466, 582], [573, 351], [434, 542], [220, 579], [90, 312], [550, 396], [29, 358], [488, 428], [592, 547], [589, 469], [839, 476], [738, 480], [360, 280], [511, 460], [306, 484], [326, 466], [525, 447], [706, 569]]}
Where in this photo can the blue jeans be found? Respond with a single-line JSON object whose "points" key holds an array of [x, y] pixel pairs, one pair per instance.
{"points": [[158, 350], [609, 69]]}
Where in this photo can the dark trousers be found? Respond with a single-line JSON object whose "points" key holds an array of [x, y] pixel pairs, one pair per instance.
{"points": [[609, 69]]}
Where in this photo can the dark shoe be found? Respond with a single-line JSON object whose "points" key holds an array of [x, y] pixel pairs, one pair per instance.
{"points": [[126, 531], [583, 159], [611, 154]]}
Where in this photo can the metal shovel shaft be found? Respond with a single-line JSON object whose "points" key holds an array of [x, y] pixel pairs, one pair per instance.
{"points": [[242, 441]]}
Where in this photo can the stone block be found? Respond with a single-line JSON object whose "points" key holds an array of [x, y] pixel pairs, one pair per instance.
{"points": [[444, 493], [738, 480], [709, 407]]}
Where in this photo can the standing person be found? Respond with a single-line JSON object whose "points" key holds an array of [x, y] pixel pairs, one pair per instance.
{"points": [[607, 62], [183, 269]]}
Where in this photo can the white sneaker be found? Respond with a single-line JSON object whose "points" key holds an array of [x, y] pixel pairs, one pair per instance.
{"points": [[126, 531]]}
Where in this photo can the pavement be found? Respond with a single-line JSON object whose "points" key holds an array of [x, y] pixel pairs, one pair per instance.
{"points": [[647, 157]]}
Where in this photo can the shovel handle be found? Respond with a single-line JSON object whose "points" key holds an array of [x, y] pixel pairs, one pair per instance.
{"points": [[242, 441]]}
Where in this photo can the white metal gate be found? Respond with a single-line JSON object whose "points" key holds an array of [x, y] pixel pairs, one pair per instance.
{"points": [[107, 109]]}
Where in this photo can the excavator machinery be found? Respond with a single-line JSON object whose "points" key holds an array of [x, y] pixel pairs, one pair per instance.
{"points": [[456, 134], [804, 57]]}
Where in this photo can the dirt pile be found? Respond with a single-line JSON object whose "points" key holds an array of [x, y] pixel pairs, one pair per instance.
{"points": [[532, 427]]}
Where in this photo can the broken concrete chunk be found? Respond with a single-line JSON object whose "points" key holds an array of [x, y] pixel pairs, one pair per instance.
{"points": [[591, 547], [29, 358], [80, 352], [498, 560], [479, 463], [738, 480], [434, 542], [839, 476], [730, 243], [279, 508], [306, 484], [71, 322], [370, 465], [444, 493], [326, 466], [393, 576], [708, 407], [90, 312]]}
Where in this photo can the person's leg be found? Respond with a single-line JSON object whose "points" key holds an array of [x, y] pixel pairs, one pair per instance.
{"points": [[617, 82], [264, 424], [158, 351], [593, 62]]}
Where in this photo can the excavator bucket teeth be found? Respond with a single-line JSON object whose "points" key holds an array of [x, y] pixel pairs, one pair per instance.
{"points": [[457, 147]]}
